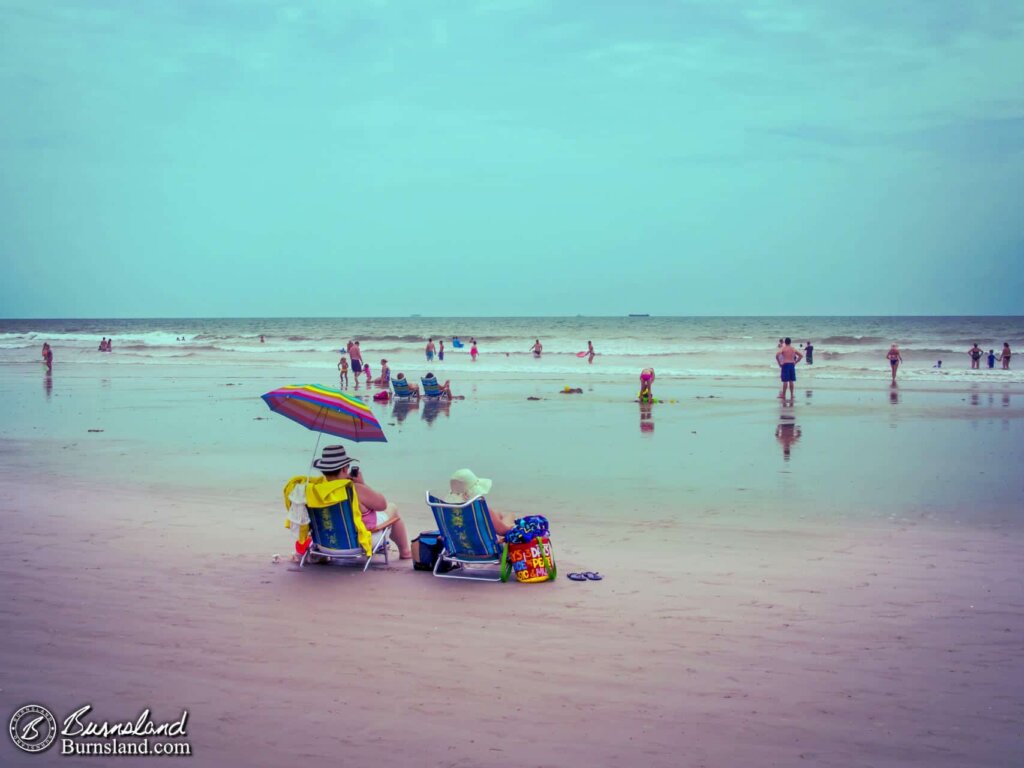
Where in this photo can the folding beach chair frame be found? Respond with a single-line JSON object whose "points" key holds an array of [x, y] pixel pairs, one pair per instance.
{"points": [[410, 394], [439, 394], [462, 566], [379, 545]]}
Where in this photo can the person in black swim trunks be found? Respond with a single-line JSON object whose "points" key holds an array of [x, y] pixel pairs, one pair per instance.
{"points": [[975, 352]]}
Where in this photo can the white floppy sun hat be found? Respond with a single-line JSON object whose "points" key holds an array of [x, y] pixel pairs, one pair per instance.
{"points": [[465, 485]]}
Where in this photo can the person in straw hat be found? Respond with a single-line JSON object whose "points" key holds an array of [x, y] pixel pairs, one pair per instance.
{"points": [[465, 485], [375, 509]]}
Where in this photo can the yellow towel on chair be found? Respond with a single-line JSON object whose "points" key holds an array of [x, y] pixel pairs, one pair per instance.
{"points": [[321, 492]]}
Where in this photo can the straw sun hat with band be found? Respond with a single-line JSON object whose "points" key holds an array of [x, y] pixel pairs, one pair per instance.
{"points": [[333, 459], [465, 485]]}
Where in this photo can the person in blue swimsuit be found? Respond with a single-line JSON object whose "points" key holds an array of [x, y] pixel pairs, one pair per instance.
{"points": [[787, 357]]}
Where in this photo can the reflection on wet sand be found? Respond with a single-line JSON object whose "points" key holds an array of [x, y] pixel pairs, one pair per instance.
{"points": [[894, 395], [402, 408], [48, 384], [646, 417], [787, 433], [433, 408]]}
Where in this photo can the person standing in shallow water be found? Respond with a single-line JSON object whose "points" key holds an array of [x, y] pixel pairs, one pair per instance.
{"points": [[895, 358], [590, 352], [787, 357], [47, 357], [1005, 357], [975, 353], [809, 352]]}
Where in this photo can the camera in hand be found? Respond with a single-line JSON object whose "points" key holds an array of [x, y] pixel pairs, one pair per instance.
{"points": [[354, 472]]}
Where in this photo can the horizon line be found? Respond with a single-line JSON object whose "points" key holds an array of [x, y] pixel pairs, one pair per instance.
{"points": [[490, 317]]}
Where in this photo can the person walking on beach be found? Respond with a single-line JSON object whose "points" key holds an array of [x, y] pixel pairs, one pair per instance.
{"points": [[537, 348], [590, 352], [975, 353], [473, 351], [787, 357], [343, 371], [809, 353], [1005, 357], [357, 360], [895, 358], [47, 357], [440, 350], [430, 350]]}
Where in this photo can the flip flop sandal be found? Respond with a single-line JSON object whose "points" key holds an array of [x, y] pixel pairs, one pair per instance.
{"points": [[592, 576], [577, 577]]}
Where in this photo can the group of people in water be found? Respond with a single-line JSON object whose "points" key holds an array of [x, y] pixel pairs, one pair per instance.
{"points": [[106, 345], [975, 353]]}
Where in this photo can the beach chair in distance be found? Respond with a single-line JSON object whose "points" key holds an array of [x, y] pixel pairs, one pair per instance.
{"points": [[469, 539], [432, 389], [401, 389], [334, 534]]}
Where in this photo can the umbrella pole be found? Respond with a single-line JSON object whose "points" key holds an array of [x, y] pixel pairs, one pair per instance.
{"points": [[319, 434]]}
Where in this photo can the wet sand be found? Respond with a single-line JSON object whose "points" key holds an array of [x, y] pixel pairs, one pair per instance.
{"points": [[756, 609]]}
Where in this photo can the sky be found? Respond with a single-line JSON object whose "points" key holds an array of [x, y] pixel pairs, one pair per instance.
{"points": [[511, 157]]}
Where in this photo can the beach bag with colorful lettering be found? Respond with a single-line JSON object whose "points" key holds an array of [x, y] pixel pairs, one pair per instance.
{"points": [[531, 561]]}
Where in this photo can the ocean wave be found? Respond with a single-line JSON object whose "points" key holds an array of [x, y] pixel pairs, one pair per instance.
{"points": [[851, 340]]}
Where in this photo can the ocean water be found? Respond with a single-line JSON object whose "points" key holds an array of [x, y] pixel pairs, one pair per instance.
{"points": [[719, 347]]}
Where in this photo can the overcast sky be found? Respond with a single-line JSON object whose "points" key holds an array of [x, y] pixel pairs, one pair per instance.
{"points": [[511, 157]]}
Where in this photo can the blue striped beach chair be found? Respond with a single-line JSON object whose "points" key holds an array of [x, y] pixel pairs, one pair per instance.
{"points": [[335, 537], [401, 389], [431, 388], [469, 539]]}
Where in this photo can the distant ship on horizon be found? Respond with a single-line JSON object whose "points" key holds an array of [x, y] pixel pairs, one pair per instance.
{"points": [[643, 315]]}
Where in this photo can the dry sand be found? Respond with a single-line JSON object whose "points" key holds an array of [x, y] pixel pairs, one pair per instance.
{"points": [[732, 646]]}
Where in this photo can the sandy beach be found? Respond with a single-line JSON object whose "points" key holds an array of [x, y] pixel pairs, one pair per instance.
{"points": [[848, 597]]}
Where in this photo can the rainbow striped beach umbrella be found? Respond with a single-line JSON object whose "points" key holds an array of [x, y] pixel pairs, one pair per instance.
{"points": [[327, 410]]}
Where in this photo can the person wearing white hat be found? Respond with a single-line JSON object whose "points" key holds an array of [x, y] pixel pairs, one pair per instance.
{"points": [[375, 509], [465, 485]]}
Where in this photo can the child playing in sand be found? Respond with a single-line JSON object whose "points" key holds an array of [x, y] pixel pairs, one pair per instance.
{"points": [[343, 370]]}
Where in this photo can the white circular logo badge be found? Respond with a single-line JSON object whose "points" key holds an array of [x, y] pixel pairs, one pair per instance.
{"points": [[33, 728]]}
